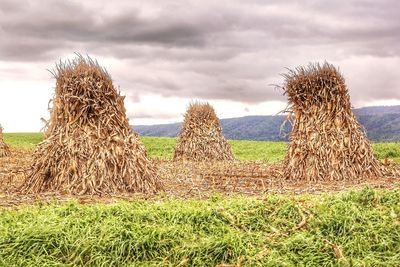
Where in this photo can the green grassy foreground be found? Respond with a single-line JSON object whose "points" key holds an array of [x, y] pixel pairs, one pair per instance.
{"points": [[363, 226], [23, 140], [163, 147], [354, 228]]}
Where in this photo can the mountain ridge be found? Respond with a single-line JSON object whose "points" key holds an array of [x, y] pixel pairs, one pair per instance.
{"points": [[381, 123]]}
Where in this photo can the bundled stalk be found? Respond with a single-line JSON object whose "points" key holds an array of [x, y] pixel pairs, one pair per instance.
{"points": [[4, 148], [89, 146], [201, 136], [326, 142]]}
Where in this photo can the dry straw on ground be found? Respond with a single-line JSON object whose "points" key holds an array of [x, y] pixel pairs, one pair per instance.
{"points": [[89, 147], [201, 136], [4, 149], [327, 142]]}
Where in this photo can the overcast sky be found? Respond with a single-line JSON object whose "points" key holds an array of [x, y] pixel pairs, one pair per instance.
{"points": [[162, 54]]}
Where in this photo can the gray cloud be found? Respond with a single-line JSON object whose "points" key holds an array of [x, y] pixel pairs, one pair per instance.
{"points": [[151, 114], [214, 49]]}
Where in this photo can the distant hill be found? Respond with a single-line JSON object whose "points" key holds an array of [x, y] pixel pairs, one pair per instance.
{"points": [[377, 110], [381, 123]]}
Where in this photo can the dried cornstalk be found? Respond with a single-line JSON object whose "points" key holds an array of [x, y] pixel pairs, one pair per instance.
{"points": [[4, 148], [326, 142], [200, 178], [89, 146], [201, 136], [336, 249]]}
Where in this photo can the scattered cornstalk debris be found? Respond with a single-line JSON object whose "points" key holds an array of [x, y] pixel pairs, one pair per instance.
{"points": [[306, 216], [89, 147], [263, 252], [4, 148], [184, 262], [201, 136], [336, 249], [240, 260], [327, 142], [187, 179]]}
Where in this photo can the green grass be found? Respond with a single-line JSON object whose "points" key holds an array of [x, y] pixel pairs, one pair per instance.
{"points": [[168, 232], [163, 147], [159, 147], [364, 224], [23, 140], [387, 150], [258, 150]]}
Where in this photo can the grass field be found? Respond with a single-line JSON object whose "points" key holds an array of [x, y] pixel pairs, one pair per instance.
{"points": [[353, 228], [163, 147], [347, 229]]}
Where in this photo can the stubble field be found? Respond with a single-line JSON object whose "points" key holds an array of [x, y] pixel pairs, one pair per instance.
{"points": [[206, 222]]}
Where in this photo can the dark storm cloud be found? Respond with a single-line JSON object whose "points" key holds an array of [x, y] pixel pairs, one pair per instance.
{"points": [[212, 49]]}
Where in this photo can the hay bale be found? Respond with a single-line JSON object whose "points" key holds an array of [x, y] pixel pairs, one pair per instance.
{"points": [[89, 146], [327, 142], [201, 136], [4, 148]]}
